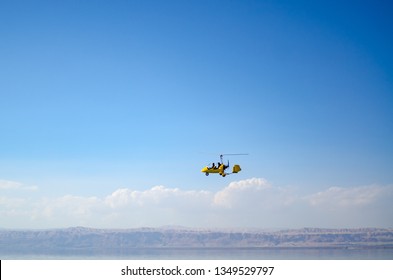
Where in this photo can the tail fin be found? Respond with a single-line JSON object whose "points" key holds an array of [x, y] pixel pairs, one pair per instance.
{"points": [[236, 168]]}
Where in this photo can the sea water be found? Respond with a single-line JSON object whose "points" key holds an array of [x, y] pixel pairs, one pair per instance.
{"points": [[212, 254]]}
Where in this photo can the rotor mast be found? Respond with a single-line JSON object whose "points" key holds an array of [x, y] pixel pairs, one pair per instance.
{"points": [[222, 155]]}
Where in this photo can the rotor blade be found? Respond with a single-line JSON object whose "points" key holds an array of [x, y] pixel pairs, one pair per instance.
{"points": [[234, 155]]}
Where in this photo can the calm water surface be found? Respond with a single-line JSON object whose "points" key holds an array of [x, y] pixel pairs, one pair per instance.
{"points": [[214, 254]]}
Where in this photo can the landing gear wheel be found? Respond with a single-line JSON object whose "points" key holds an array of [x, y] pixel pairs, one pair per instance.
{"points": [[207, 174]]}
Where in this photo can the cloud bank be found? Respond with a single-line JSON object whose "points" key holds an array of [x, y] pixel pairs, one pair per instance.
{"points": [[252, 203]]}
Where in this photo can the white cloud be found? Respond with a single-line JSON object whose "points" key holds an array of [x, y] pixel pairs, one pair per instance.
{"points": [[158, 195], [12, 185], [70, 206], [364, 206], [7, 185], [346, 197], [247, 203], [11, 203], [158, 206], [251, 188]]}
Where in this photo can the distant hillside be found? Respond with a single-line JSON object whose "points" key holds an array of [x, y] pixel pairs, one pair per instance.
{"points": [[79, 238]]}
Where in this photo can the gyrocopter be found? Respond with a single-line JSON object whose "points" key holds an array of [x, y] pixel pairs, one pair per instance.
{"points": [[221, 168]]}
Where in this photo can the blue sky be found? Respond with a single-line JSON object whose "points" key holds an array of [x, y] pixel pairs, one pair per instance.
{"points": [[105, 101]]}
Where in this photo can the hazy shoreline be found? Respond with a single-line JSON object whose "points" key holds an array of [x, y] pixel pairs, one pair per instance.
{"points": [[122, 239]]}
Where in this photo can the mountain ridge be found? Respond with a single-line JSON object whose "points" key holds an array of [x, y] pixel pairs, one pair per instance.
{"points": [[83, 238]]}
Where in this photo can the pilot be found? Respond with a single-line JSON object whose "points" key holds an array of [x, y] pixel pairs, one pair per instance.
{"points": [[213, 166]]}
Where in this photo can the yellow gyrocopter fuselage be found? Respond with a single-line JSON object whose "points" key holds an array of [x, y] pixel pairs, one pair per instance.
{"points": [[220, 169]]}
